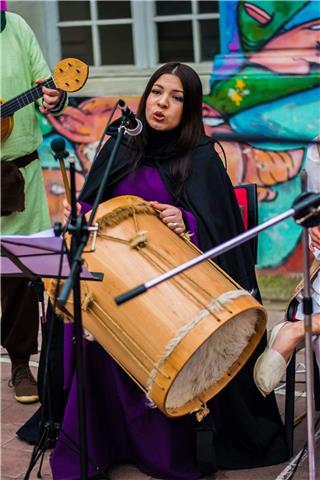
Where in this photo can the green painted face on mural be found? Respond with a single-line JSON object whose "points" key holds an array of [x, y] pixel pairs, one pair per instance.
{"points": [[258, 21]]}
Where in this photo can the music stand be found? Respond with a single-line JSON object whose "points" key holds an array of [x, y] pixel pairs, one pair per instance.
{"points": [[32, 257], [36, 257]]}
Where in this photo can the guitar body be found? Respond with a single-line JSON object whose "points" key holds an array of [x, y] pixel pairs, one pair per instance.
{"points": [[69, 75], [6, 126]]}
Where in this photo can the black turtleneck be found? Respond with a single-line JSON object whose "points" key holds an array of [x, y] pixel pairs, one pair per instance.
{"points": [[160, 138], [161, 145]]}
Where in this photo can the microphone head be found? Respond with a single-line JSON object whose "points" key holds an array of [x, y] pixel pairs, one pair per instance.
{"points": [[121, 103], [58, 144]]}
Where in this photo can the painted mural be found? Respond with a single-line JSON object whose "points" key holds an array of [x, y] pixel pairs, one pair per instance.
{"points": [[260, 83], [82, 124], [266, 81]]}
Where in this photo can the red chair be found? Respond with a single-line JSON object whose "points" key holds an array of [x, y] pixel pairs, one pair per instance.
{"points": [[248, 202]]}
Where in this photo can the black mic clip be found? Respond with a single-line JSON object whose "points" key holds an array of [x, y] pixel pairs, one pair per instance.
{"points": [[132, 125], [307, 209]]}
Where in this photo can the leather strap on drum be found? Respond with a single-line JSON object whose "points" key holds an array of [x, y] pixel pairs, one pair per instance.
{"points": [[206, 437]]}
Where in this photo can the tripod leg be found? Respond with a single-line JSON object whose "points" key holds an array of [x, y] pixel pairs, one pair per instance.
{"points": [[42, 458]]}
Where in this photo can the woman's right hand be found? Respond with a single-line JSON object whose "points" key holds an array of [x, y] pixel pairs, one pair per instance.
{"points": [[67, 210]]}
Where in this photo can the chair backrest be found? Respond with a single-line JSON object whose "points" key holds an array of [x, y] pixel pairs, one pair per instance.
{"points": [[246, 194]]}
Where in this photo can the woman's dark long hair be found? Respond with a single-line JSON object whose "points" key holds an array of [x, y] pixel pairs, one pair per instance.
{"points": [[191, 125]]}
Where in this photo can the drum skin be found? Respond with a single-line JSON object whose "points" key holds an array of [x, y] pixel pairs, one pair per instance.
{"points": [[181, 341]]}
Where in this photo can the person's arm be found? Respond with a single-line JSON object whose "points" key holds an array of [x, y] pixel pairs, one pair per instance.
{"points": [[313, 183], [314, 238], [53, 100]]}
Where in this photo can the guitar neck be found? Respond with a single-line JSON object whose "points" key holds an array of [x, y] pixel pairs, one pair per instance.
{"points": [[11, 106]]}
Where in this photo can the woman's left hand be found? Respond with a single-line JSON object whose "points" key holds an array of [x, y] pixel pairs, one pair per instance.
{"points": [[50, 97], [171, 216]]}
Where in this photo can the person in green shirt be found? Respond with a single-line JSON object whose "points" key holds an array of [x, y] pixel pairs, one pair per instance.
{"points": [[24, 206]]}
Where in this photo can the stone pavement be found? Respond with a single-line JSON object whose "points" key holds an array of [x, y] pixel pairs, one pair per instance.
{"points": [[15, 454]]}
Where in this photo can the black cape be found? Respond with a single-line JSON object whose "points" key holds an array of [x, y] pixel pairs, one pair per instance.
{"points": [[244, 429], [208, 194]]}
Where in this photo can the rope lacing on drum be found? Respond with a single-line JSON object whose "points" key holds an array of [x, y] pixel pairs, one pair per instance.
{"points": [[154, 256], [120, 214], [140, 238], [87, 299], [139, 241], [183, 332], [127, 337]]}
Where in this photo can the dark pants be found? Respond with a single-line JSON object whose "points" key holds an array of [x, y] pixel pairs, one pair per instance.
{"points": [[20, 318]]}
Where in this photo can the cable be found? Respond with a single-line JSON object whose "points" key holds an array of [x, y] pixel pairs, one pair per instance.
{"points": [[105, 130], [224, 155]]}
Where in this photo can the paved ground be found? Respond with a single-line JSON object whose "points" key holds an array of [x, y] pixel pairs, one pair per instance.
{"points": [[15, 454]]}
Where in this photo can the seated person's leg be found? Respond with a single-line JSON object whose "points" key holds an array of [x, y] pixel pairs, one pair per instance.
{"points": [[272, 363]]}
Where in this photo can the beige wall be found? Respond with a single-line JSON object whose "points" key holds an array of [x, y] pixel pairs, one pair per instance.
{"points": [[106, 80], [33, 13]]}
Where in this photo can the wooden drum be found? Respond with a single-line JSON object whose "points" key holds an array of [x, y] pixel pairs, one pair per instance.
{"points": [[181, 341]]}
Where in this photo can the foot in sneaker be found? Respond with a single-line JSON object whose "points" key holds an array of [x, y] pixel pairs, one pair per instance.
{"points": [[23, 382]]}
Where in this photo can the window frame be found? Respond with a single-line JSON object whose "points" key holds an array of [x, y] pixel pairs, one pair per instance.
{"points": [[144, 31], [195, 18]]}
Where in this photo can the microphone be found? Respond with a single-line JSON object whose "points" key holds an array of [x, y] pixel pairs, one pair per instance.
{"points": [[58, 146], [134, 124]]}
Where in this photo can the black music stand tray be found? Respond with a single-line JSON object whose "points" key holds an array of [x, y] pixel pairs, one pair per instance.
{"points": [[33, 257]]}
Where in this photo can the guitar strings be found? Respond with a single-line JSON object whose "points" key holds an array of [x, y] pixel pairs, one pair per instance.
{"points": [[11, 106]]}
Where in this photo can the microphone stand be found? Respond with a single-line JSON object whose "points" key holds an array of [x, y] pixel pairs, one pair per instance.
{"points": [[80, 229], [307, 309], [306, 212], [76, 229]]}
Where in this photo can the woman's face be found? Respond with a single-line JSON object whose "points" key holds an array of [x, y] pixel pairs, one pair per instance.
{"points": [[164, 104]]}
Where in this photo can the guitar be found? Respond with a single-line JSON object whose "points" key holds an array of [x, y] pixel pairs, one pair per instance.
{"points": [[69, 75]]}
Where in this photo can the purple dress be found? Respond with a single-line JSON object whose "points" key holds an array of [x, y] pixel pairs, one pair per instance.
{"points": [[120, 425]]}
